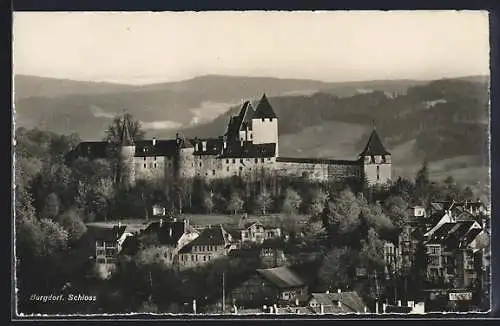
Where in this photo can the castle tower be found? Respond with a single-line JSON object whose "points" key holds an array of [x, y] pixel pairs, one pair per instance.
{"points": [[185, 158], [127, 153], [377, 165], [265, 124]]}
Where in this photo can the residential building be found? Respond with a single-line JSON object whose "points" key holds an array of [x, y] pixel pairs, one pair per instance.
{"points": [[270, 286], [337, 303], [108, 243], [256, 232]]}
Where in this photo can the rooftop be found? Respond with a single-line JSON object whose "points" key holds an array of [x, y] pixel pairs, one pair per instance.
{"points": [[281, 277]]}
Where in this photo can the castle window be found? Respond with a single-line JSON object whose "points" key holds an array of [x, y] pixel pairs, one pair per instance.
{"points": [[155, 165], [234, 161], [263, 119], [144, 158], [200, 164], [241, 168], [241, 160], [227, 161], [213, 172], [378, 173], [271, 119], [256, 160], [227, 169], [144, 165], [154, 158], [262, 160], [204, 258]]}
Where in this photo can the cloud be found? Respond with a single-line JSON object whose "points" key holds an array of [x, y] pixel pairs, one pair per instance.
{"points": [[100, 113], [161, 125]]}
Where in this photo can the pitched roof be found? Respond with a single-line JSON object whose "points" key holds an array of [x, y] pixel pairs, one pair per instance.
{"points": [[374, 146], [213, 146], [215, 236], [167, 147], [350, 301], [264, 109], [249, 113], [108, 233], [455, 234], [125, 137], [247, 149], [168, 232], [281, 277]]}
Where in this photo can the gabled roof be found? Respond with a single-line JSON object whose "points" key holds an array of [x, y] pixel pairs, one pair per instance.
{"points": [[167, 147], [374, 146], [264, 109], [168, 232], [126, 138], [350, 301], [281, 277], [213, 146], [249, 224], [210, 236], [185, 143], [236, 149], [109, 233], [246, 114]]}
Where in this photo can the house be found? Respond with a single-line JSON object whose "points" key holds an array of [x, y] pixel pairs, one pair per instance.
{"points": [[280, 286], [173, 233], [451, 250], [337, 303], [213, 242], [108, 243], [271, 254], [412, 307], [256, 232]]}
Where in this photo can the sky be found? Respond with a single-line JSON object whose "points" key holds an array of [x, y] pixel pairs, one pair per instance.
{"points": [[139, 48]]}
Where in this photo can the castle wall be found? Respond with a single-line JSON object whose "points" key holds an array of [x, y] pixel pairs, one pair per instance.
{"points": [[152, 167], [318, 171], [186, 163]]}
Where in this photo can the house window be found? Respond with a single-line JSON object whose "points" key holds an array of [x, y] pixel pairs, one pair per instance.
{"points": [[270, 119], [192, 258], [241, 168], [434, 261], [101, 261], [433, 250]]}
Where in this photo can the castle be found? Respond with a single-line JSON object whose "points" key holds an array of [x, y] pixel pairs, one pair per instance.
{"points": [[249, 147]]}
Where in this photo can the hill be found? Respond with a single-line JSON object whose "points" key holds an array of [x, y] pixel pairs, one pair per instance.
{"points": [[65, 106]]}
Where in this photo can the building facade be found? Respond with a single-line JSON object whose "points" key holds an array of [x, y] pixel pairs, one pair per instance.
{"points": [[249, 148]]}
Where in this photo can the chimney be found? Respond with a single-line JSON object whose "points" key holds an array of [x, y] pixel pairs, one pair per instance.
{"points": [[297, 302], [366, 309], [154, 141], [275, 309], [235, 309], [399, 303], [170, 232], [204, 145], [376, 307], [194, 306], [161, 222], [339, 303], [119, 224]]}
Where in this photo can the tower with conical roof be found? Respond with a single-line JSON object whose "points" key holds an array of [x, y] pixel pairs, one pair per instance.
{"points": [[127, 154], [377, 164], [265, 124]]}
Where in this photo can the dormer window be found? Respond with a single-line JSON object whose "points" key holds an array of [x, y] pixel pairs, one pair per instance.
{"points": [[263, 119]]}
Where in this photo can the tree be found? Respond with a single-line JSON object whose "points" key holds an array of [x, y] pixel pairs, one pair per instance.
{"points": [[314, 234], [344, 212], [292, 202], [115, 129], [73, 224], [397, 210], [317, 204], [263, 201], [422, 183], [208, 202], [372, 252], [235, 203], [51, 206], [337, 268]]}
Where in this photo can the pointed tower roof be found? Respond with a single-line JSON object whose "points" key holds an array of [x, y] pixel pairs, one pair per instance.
{"points": [[264, 109], [126, 139], [247, 114], [374, 146]]}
